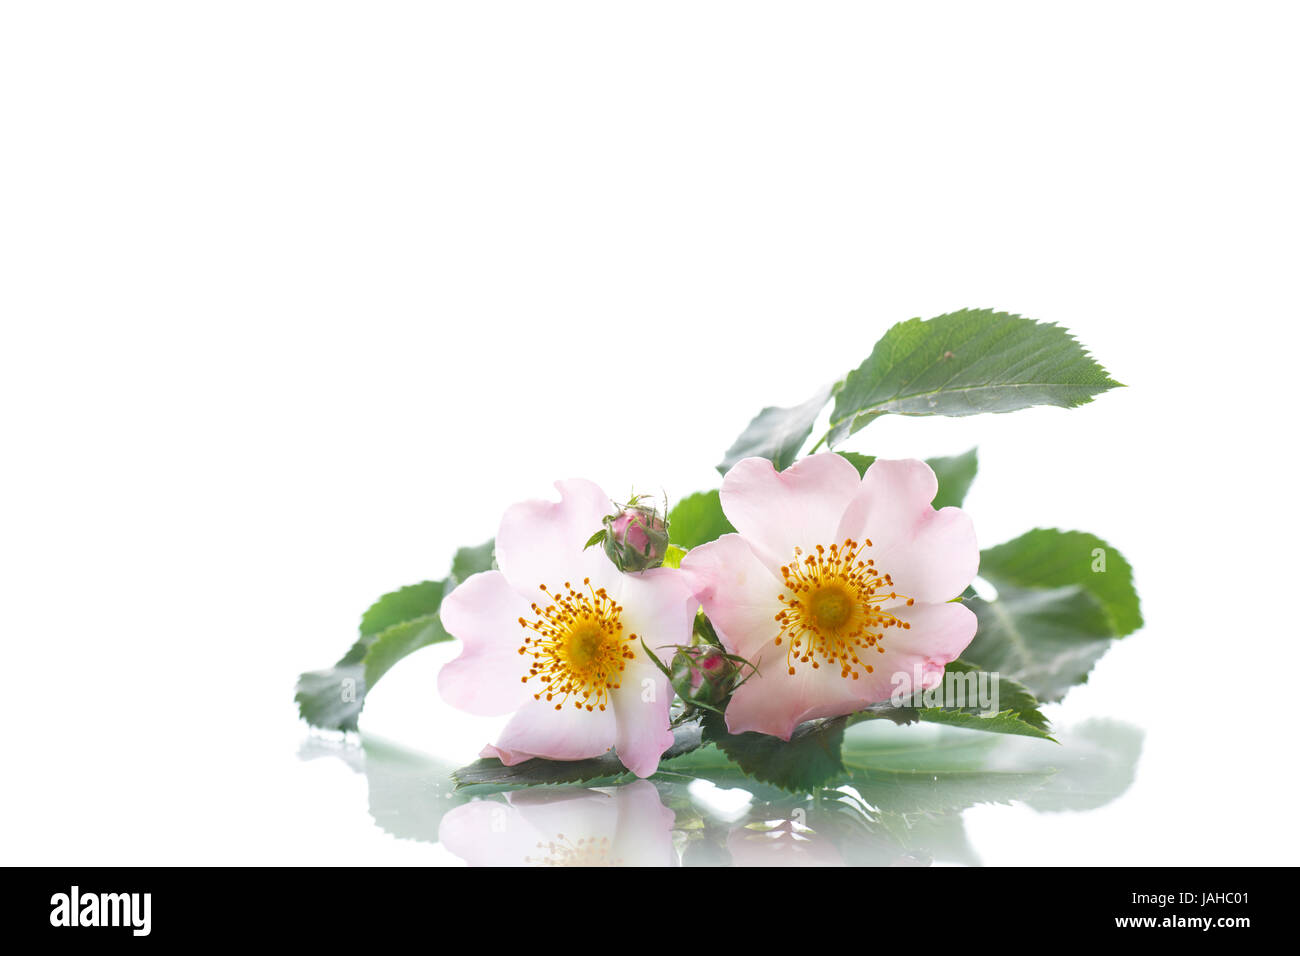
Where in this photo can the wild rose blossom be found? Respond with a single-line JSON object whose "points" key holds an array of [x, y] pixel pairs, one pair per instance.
{"points": [[833, 585], [555, 635]]}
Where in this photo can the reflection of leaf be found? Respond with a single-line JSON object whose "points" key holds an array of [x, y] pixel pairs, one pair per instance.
{"points": [[396, 625], [409, 791], [1096, 763], [966, 363], [697, 519], [1055, 615], [824, 754], [922, 777], [777, 433], [955, 474]]}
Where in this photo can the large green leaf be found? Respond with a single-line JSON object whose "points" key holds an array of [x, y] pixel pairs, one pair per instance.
{"points": [[1063, 596], [396, 625], [697, 519], [778, 433], [959, 704], [965, 363], [955, 474]]}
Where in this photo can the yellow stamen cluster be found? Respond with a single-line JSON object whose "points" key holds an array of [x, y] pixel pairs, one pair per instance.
{"points": [[578, 647], [833, 608], [586, 851]]}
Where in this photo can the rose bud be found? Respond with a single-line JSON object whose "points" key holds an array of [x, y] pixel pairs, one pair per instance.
{"points": [[636, 538]]}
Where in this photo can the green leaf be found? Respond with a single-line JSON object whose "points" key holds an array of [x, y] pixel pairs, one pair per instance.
{"points": [[1063, 596], [396, 625], [955, 474], [927, 775], [958, 704], [415, 600], [860, 462], [809, 759], [966, 363], [698, 519], [900, 770], [490, 773], [470, 561], [778, 433]]}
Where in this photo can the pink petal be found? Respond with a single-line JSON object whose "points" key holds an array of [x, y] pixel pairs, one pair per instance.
{"points": [[641, 708], [738, 591], [539, 730], [541, 542], [938, 634], [776, 702], [659, 608], [931, 555], [645, 827], [801, 506], [483, 612]]}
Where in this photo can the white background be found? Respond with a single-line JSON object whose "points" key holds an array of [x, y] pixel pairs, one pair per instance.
{"points": [[297, 297]]}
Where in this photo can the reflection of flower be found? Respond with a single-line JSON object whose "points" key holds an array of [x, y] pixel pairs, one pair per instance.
{"points": [[833, 585], [780, 845], [629, 826], [555, 636]]}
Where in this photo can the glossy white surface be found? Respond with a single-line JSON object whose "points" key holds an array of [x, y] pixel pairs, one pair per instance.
{"points": [[298, 296]]}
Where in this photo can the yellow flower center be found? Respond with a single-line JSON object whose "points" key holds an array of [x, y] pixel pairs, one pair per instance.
{"points": [[578, 647], [562, 851], [833, 608]]}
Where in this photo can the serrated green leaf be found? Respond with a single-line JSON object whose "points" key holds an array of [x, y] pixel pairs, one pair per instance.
{"points": [[959, 704], [393, 643], [396, 625], [1048, 557], [955, 474], [415, 600], [470, 561], [1054, 616], [966, 363], [489, 773], [698, 519], [809, 759], [777, 434]]}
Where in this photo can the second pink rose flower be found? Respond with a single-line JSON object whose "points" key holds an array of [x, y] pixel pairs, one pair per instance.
{"points": [[833, 585]]}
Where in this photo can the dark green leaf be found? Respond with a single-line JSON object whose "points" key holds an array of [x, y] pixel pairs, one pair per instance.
{"points": [[1056, 611], [488, 772], [698, 519], [811, 757], [965, 363], [777, 433]]}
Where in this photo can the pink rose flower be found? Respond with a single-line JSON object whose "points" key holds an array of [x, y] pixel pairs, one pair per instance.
{"points": [[555, 637], [833, 585]]}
